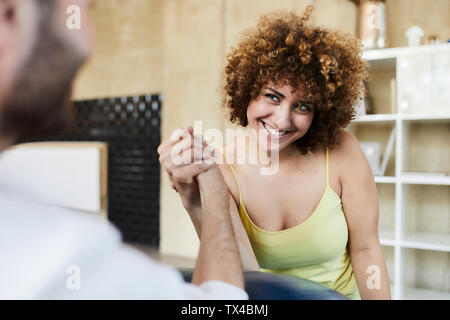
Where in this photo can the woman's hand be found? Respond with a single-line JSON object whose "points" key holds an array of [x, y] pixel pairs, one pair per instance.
{"points": [[204, 180], [184, 156]]}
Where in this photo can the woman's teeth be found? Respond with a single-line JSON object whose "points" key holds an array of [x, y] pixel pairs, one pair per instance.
{"points": [[274, 132]]}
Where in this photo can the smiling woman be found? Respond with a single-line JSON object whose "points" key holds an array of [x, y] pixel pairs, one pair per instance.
{"points": [[281, 115], [283, 50], [294, 86]]}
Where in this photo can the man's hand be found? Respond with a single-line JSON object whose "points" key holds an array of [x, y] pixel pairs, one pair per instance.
{"points": [[184, 156]]}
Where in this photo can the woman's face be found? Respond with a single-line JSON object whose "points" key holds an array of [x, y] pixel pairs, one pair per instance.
{"points": [[279, 115]]}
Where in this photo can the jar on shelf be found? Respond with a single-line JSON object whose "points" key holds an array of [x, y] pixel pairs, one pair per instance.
{"points": [[371, 27]]}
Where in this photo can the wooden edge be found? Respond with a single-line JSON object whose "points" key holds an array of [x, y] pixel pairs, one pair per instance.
{"points": [[103, 176]]}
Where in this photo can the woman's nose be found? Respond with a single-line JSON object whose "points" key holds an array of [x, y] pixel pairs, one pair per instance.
{"points": [[282, 117]]}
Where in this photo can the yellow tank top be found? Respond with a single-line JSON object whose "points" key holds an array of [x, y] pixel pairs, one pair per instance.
{"points": [[316, 249]]}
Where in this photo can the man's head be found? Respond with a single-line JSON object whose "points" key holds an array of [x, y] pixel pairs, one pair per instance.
{"points": [[39, 56]]}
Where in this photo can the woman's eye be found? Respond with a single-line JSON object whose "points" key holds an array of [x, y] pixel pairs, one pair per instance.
{"points": [[303, 107], [272, 97]]}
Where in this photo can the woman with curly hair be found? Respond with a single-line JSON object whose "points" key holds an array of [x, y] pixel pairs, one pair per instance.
{"points": [[317, 217]]}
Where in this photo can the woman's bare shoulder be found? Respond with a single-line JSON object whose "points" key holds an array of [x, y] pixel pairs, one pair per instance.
{"points": [[348, 147], [349, 157]]}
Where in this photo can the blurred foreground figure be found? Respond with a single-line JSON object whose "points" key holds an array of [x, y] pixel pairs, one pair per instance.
{"points": [[48, 252]]}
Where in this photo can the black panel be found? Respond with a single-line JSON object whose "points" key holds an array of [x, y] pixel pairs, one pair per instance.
{"points": [[131, 126]]}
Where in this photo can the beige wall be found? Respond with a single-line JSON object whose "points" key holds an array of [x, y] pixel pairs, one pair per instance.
{"points": [[128, 57], [178, 47], [430, 15]]}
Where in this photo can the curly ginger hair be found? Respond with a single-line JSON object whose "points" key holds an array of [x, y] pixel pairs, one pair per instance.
{"points": [[282, 49]]}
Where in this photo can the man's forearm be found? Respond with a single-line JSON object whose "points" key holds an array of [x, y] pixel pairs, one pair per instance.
{"points": [[195, 213], [247, 256], [218, 258]]}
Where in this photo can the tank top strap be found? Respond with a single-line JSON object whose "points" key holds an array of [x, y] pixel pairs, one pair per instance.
{"points": [[327, 161], [234, 174]]}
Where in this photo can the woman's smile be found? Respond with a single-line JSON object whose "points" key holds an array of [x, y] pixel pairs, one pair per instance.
{"points": [[274, 133], [279, 117]]}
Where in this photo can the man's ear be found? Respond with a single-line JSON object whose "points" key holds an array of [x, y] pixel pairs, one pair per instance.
{"points": [[8, 19]]}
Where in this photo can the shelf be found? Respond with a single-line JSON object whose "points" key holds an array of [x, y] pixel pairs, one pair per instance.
{"points": [[383, 118], [425, 118], [414, 191], [384, 179], [393, 53], [427, 241], [429, 179], [387, 237], [383, 63], [425, 294], [376, 118]]}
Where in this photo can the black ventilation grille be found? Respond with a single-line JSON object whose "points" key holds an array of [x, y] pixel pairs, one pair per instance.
{"points": [[131, 126]]}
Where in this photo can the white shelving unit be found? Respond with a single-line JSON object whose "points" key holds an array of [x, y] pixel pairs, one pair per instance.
{"points": [[402, 242]]}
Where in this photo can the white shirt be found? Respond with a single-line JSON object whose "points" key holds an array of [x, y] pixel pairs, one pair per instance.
{"points": [[48, 252]]}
